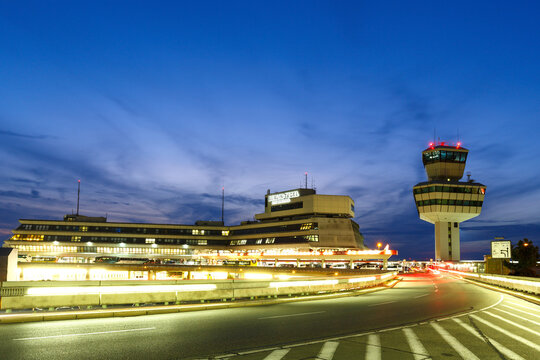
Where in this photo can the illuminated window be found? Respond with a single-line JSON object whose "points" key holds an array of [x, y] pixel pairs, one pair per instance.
{"points": [[75, 238], [83, 228], [225, 232], [197, 232], [270, 240], [307, 226], [150, 241]]}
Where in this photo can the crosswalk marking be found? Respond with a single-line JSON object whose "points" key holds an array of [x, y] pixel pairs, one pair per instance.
{"points": [[537, 309], [519, 317], [523, 311], [418, 350], [513, 323], [328, 350], [456, 345], [277, 354], [507, 333], [373, 349], [504, 350]]}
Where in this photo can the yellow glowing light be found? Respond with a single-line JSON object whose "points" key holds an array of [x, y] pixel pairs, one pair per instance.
{"points": [[302, 283], [135, 289], [362, 279], [256, 276]]}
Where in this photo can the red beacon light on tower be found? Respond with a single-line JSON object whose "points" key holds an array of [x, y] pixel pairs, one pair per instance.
{"points": [[458, 145], [431, 145]]}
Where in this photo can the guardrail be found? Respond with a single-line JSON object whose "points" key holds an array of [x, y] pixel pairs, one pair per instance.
{"points": [[53, 294], [520, 283]]}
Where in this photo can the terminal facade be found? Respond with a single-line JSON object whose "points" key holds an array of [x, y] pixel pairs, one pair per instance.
{"points": [[298, 221], [444, 200]]}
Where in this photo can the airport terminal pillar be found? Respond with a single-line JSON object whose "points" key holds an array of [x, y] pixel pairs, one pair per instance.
{"points": [[447, 241], [385, 264], [8, 264]]}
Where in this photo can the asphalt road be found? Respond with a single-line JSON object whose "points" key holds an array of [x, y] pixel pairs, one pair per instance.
{"points": [[323, 329]]}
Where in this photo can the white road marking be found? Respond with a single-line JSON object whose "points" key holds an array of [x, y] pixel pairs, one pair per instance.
{"points": [[537, 309], [419, 296], [507, 333], [328, 350], [301, 314], [373, 349], [523, 311], [383, 303], [418, 350], [512, 323], [504, 350], [85, 334], [277, 354], [452, 341], [518, 316]]}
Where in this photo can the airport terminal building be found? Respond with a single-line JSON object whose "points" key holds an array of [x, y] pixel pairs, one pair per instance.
{"points": [[298, 221]]}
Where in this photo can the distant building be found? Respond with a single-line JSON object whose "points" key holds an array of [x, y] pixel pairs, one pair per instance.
{"points": [[445, 201], [294, 220]]}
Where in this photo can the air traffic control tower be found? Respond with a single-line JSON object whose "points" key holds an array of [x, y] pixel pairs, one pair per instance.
{"points": [[445, 201]]}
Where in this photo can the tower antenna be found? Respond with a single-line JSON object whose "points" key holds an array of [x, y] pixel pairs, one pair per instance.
{"points": [[306, 179], [78, 195], [223, 205]]}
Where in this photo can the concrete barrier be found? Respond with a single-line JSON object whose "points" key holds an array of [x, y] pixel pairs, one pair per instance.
{"points": [[519, 283], [54, 294]]}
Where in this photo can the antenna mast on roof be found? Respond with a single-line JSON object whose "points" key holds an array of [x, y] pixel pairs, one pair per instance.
{"points": [[223, 205], [306, 179], [78, 196]]}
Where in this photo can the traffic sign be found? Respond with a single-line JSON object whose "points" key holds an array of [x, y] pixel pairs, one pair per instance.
{"points": [[501, 249]]}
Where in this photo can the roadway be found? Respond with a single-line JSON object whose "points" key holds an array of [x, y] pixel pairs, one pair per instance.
{"points": [[423, 316]]}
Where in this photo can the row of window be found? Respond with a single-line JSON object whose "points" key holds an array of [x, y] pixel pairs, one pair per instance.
{"points": [[450, 189], [99, 249], [276, 240], [152, 231], [448, 202], [444, 155], [279, 228], [289, 206]]}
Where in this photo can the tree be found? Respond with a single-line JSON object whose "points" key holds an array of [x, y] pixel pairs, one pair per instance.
{"points": [[526, 255]]}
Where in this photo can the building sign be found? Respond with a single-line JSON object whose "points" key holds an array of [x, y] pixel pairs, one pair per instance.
{"points": [[501, 249], [283, 198]]}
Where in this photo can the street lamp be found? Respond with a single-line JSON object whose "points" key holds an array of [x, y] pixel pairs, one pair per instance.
{"points": [[379, 245]]}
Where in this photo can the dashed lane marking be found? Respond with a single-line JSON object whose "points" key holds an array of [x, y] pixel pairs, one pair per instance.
{"points": [[502, 349], [290, 315], [518, 316], [523, 311], [512, 323], [418, 350], [454, 343], [383, 303], [373, 349], [507, 333], [277, 354], [328, 350]]}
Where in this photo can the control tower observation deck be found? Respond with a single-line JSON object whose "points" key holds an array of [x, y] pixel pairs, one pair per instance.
{"points": [[444, 200]]}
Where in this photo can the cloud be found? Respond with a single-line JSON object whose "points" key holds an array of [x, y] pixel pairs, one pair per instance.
{"points": [[25, 136]]}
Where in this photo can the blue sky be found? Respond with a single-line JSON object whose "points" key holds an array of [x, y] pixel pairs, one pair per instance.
{"points": [[156, 105]]}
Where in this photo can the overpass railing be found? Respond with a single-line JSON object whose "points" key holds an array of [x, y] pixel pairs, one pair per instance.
{"points": [[54, 294], [519, 283]]}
